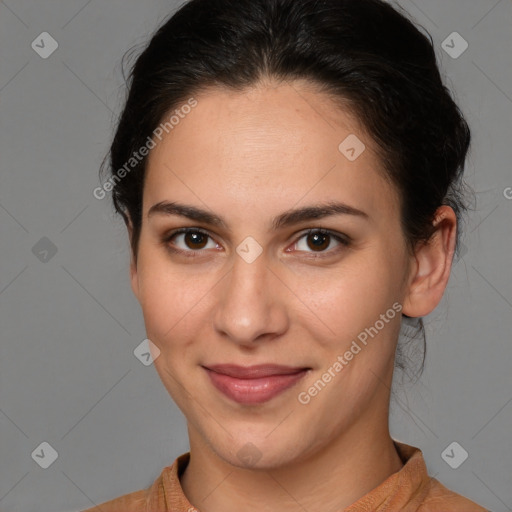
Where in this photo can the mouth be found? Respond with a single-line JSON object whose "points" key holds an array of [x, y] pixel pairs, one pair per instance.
{"points": [[254, 384]]}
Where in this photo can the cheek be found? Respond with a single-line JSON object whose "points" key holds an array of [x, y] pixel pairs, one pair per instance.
{"points": [[175, 304], [350, 306], [165, 297], [351, 298]]}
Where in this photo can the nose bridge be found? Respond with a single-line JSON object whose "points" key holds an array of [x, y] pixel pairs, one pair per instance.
{"points": [[248, 306]]}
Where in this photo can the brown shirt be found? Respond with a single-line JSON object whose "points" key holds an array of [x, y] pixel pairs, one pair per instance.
{"points": [[408, 490]]}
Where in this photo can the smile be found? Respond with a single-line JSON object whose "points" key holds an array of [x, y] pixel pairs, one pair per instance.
{"points": [[256, 384]]}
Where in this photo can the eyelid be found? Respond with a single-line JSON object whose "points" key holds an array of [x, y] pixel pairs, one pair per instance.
{"points": [[180, 231], [342, 238]]}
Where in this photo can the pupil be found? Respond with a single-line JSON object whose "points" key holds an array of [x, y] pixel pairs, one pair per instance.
{"points": [[317, 240], [195, 238]]}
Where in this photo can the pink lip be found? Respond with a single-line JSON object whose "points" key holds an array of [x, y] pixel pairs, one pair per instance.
{"points": [[254, 384]]}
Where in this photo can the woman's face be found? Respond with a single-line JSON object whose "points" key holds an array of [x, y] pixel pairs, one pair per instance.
{"points": [[256, 289]]}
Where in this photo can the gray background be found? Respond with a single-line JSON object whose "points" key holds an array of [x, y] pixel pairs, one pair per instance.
{"points": [[69, 325]]}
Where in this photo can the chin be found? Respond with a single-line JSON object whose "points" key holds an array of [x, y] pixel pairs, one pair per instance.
{"points": [[258, 452]]}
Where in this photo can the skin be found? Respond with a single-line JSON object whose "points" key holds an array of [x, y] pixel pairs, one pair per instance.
{"points": [[248, 157]]}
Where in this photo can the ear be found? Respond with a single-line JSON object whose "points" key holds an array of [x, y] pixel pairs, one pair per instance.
{"points": [[431, 269], [134, 280]]}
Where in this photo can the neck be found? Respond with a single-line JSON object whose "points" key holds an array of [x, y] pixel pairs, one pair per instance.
{"points": [[331, 479]]}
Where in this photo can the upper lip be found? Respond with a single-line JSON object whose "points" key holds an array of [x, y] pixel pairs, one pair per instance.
{"points": [[254, 372]]}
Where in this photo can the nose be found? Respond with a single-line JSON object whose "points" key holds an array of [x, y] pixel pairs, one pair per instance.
{"points": [[251, 304]]}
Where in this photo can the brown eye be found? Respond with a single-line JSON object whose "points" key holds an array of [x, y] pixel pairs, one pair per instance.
{"points": [[195, 239], [192, 240], [318, 240]]}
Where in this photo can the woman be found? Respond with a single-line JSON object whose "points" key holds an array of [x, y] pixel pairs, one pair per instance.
{"points": [[289, 172]]}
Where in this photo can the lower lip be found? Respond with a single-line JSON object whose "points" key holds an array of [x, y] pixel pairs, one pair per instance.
{"points": [[254, 391]]}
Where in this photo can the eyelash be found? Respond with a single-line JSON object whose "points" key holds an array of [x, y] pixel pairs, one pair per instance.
{"points": [[343, 240]]}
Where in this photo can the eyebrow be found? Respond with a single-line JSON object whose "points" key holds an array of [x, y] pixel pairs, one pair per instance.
{"points": [[285, 219]]}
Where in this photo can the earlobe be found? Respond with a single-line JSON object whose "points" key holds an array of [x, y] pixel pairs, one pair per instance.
{"points": [[433, 262]]}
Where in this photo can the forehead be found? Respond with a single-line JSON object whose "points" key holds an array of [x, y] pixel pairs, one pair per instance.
{"points": [[278, 142]]}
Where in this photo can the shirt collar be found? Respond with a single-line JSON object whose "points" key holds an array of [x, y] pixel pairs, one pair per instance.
{"points": [[403, 490]]}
